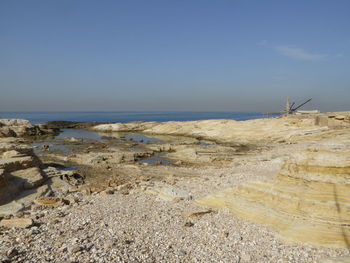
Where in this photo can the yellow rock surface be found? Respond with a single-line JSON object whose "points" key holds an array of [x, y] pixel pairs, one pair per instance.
{"points": [[309, 200], [50, 201], [17, 222]]}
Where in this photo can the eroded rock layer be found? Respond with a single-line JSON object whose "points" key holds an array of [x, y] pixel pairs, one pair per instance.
{"points": [[309, 200], [20, 128], [226, 131]]}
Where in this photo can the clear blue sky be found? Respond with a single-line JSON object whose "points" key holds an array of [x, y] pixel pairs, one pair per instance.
{"points": [[173, 55]]}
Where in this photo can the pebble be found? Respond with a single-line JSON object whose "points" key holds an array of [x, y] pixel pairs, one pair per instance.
{"points": [[12, 252], [189, 224], [138, 227], [75, 249]]}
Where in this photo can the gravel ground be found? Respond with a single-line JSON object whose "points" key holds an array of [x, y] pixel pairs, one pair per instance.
{"points": [[138, 227]]}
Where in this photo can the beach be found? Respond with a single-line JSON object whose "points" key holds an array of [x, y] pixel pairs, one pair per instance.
{"points": [[155, 192]]}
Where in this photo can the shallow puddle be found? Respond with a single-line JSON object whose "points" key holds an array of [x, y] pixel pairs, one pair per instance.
{"points": [[203, 143], [65, 134], [140, 138], [52, 146], [65, 146], [79, 134], [157, 159]]}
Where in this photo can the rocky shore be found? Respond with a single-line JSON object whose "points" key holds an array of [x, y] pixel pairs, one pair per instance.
{"points": [[202, 191]]}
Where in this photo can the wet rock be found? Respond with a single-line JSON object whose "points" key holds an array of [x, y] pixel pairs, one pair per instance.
{"points": [[72, 139], [45, 147]]}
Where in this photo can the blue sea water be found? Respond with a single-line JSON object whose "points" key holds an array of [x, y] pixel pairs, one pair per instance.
{"points": [[120, 116]]}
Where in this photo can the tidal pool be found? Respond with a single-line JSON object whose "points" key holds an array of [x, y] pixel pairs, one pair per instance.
{"points": [[52, 146], [65, 147], [156, 159], [79, 133]]}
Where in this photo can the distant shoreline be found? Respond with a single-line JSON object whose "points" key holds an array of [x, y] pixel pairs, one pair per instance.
{"points": [[129, 116]]}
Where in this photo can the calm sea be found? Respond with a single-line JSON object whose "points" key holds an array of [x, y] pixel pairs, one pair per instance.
{"points": [[119, 116]]}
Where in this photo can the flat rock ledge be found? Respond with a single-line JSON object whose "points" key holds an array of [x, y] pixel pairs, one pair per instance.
{"points": [[17, 222], [23, 177]]}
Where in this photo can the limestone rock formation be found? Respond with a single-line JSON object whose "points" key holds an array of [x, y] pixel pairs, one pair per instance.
{"points": [[112, 157], [20, 127], [120, 127], [226, 131], [23, 178], [203, 154], [309, 200], [19, 171]]}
